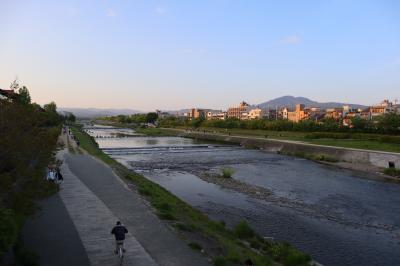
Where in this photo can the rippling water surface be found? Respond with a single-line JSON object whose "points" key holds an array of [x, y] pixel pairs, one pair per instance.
{"points": [[339, 218]]}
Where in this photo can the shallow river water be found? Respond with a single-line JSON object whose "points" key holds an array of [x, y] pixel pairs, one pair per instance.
{"points": [[337, 216]]}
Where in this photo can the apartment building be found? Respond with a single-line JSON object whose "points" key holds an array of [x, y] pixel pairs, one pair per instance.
{"points": [[197, 113], [383, 108], [298, 114], [239, 112]]}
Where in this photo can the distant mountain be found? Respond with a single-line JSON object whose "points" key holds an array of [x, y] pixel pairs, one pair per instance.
{"points": [[291, 101], [95, 112]]}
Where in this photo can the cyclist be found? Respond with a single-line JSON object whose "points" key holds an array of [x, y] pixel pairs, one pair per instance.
{"points": [[119, 232]]}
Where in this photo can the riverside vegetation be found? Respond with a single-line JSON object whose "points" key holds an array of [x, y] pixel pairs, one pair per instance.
{"points": [[226, 246], [381, 133], [28, 140]]}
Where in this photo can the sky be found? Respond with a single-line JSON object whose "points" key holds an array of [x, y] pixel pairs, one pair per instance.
{"points": [[168, 55]]}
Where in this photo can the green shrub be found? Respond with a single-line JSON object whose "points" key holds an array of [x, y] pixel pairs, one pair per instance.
{"points": [[195, 246], [295, 258], [392, 172], [227, 172], [8, 230], [183, 227], [390, 139], [243, 231], [166, 216], [220, 261], [254, 243], [217, 226], [164, 206], [144, 191], [329, 135], [285, 253], [324, 158]]}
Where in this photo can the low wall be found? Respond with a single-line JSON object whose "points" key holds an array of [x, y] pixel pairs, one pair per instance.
{"points": [[375, 158]]}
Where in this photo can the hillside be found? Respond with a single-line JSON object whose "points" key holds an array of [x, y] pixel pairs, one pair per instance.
{"points": [[291, 101]]}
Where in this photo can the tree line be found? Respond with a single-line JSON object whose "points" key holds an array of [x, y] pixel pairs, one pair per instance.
{"points": [[133, 119], [384, 124], [28, 140]]}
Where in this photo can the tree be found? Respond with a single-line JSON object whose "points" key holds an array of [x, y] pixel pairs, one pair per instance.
{"points": [[151, 117], [71, 117], [121, 118], [50, 107], [389, 123], [24, 96], [358, 123], [14, 85], [196, 122]]}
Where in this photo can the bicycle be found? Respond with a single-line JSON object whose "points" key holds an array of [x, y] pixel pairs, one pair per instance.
{"points": [[120, 251]]}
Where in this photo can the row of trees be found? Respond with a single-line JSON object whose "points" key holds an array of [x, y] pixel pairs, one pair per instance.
{"points": [[28, 138], [136, 118], [386, 124]]}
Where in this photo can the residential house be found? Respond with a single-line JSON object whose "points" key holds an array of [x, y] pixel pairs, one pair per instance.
{"points": [[347, 119], [334, 113], [285, 113], [216, 114], [6, 94], [256, 113]]}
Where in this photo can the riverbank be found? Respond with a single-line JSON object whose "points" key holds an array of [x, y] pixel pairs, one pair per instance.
{"points": [[368, 161], [372, 163], [225, 246]]}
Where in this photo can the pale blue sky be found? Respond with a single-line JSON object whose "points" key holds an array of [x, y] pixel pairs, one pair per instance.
{"points": [[175, 54]]}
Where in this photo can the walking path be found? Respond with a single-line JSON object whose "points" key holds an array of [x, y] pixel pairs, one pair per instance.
{"points": [[157, 239], [75, 224], [94, 221]]}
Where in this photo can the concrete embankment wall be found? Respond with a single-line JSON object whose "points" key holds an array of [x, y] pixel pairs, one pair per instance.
{"points": [[375, 158]]}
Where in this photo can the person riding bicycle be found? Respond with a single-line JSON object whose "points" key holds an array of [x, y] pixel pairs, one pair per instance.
{"points": [[119, 232]]}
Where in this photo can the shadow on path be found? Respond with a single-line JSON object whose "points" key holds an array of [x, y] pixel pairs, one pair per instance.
{"points": [[52, 235]]}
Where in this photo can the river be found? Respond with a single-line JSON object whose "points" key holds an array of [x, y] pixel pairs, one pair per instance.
{"points": [[337, 216]]}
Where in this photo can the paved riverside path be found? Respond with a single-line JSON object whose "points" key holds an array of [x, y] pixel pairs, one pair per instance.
{"points": [[93, 221], [96, 198]]}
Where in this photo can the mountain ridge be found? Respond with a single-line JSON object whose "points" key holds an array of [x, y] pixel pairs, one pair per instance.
{"points": [[96, 112], [291, 101]]}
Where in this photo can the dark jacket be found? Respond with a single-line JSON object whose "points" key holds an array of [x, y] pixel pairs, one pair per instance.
{"points": [[119, 232]]}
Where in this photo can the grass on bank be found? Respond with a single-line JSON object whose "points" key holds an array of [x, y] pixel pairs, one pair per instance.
{"points": [[312, 157], [392, 172], [152, 131], [235, 245], [90, 145], [358, 144]]}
